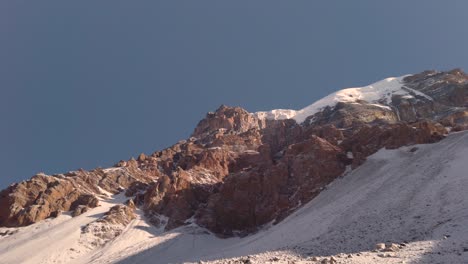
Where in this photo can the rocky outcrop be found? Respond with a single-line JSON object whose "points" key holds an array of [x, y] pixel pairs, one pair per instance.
{"points": [[446, 88], [108, 227], [234, 119], [238, 171], [79, 210], [269, 191], [44, 196], [119, 214], [352, 114], [369, 139]]}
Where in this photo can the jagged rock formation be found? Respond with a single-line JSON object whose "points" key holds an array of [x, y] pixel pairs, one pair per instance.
{"points": [[240, 170], [45, 196]]}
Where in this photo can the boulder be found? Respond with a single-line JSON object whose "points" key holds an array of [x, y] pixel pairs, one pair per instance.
{"points": [[79, 210]]}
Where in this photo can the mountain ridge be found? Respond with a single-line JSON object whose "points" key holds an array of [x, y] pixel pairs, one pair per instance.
{"points": [[240, 171]]}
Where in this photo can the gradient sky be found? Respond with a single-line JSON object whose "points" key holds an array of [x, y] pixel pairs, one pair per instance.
{"points": [[87, 83]]}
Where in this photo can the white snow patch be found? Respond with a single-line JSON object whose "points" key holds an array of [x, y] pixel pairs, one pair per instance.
{"points": [[377, 94], [52, 240], [112, 169]]}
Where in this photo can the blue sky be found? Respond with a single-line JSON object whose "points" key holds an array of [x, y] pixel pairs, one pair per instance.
{"points": [[87, 83]]}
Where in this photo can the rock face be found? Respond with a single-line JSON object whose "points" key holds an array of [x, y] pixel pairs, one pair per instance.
{"points": [[228, 118], [238, 171], [368, 139], [268, 191], [44, 196]]}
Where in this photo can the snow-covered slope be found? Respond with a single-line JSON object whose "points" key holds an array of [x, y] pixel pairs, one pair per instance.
{"points": [[56, 240], [417, 196], [379, 94]]}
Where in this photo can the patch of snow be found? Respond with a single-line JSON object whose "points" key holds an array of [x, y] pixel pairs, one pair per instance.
{"points": [[104, 192], [111, 169], [377, 94], [214, 148], [52, 240], [277, 114], [382, 106]]}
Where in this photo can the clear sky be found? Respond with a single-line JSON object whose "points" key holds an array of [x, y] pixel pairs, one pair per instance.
{"points": [[87, 83]]}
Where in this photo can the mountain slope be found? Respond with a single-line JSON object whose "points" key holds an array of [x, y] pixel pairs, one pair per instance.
{"points": [[238, 174], [416, 196]]}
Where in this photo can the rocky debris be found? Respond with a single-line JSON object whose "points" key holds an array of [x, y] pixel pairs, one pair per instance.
{"points": [[55, 214], [392, 247], [79, 210], [274, 259], [330, 260], [388, 247], [380, 246], [8, 232], [108, 227], [119, 214]]}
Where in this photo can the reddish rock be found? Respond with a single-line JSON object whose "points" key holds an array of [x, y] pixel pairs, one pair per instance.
{"points": [[228, 118], [238, 172], [42, 196], [256, 196]]}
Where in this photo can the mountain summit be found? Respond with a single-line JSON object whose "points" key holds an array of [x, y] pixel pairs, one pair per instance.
{"points": [[240, 175]]}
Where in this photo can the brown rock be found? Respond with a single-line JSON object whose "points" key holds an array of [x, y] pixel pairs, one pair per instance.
{"points": [[251, 198], [119, 214], [55, 214], [42, 196], [142, 157], [227, 118], [79, 210], [380, 246], [88, 200]]}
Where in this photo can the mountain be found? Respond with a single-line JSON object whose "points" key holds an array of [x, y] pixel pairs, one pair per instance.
{"points": [[338, 176]]}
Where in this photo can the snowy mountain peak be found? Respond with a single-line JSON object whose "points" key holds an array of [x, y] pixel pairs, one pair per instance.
{"points": [[378, 94], [354, 172]]}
